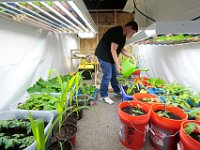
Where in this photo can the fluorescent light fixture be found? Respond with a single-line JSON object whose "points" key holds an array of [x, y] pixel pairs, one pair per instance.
{"points": [[61, 16], [165, 28], [70, 15], [77, 10], [150, 32], [86, 35]]}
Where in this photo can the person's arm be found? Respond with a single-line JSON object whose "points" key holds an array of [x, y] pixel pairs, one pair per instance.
{"points": [[127, 54], [124, 52], [114, 47]]}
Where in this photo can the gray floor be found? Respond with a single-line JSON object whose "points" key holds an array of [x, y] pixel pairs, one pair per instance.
{"points": [[98, 129]]}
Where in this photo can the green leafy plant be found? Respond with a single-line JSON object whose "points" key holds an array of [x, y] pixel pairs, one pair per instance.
{"points": [[163, 114], [190, 127], [50, 86], [195, 112], [156, 82], [88, 89], [150, 100], [41, 101], [15, 140]]}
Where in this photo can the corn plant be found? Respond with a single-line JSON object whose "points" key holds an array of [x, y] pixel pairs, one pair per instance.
{"points": [[38, 132]]}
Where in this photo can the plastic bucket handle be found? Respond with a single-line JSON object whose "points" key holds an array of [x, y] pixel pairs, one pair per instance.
{"points": [[165, 136], [136, 128]]}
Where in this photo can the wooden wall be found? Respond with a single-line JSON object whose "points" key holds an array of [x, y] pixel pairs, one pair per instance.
{"points": [[104, 21]]}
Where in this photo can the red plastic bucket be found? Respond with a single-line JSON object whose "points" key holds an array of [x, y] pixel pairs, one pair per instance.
{"points": [[164, 131], [187, 142], [133, 128], [142, 80], [139, 96]]}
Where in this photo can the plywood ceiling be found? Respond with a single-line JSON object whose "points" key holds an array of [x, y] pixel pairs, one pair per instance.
{"points": [[105, 4]]}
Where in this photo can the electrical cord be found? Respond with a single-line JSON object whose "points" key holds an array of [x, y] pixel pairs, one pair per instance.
{"points": [[196, 18], [135, 7]]}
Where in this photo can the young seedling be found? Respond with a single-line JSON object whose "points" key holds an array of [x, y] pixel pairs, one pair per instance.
{"points": [[190, 127]]}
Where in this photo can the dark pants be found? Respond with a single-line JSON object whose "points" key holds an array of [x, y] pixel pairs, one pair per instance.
{"points": [[109, 75]]}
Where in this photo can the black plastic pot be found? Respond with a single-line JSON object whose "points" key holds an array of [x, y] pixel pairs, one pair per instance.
{"points": [[68, 133], [67, 145], [72, 118], [83, 100]]}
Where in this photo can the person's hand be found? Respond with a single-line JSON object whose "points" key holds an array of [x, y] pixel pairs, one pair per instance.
{"points": [[132, 58], [118, 68]]}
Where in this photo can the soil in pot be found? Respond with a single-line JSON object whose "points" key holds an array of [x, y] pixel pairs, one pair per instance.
{"points": [[66, 132], [134, 111], [66, 145], [167, 114], [196, 136]]}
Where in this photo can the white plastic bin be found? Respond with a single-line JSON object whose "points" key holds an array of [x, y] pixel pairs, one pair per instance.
{"points": [[46, 116]]}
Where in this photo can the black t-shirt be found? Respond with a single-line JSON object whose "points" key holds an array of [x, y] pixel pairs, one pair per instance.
{"points": [[112, 35]]}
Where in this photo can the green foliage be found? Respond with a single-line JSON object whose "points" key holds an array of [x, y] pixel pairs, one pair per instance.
{"points": [[179, 37], [163, 113], [16, 140], [37, 127], [156, 82], [15, 123], [176, 89], [150, 100], [195, 112], [41, 101], [88, 89], [50, 86], [190, 127]]}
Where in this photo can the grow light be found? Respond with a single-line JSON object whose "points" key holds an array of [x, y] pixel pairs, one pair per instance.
{"points": [[168, 33], [59, 16]]}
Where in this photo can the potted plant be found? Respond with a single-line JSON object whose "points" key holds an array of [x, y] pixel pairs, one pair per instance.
{"points": [[130, 90], [147, 99], [67, 131], [190, 135], [155, 82], [134, 117], [49, 86], [16, 132], [165, 124], [194, 113]]}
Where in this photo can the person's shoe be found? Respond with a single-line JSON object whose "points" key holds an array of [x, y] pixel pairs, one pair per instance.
{"points": [[107, 100], [118, 93]]}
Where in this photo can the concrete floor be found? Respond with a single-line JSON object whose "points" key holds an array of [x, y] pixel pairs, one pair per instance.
{"points": [[99, 128]]}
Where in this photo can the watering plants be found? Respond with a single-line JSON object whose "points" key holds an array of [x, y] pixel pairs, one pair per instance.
{"points": [[109, 47], [99, 75]]}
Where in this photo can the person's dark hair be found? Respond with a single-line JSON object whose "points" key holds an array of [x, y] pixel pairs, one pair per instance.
{"points": [[133, 25]]}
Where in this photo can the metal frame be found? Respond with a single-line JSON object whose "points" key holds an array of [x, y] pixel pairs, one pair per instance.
{"points": [[49, 18], [164, 28]]}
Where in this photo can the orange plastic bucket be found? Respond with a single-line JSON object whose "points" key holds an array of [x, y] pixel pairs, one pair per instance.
{"points": [[164, 131], [142, 80], [139, 96], [133, 128], [187, 142]]}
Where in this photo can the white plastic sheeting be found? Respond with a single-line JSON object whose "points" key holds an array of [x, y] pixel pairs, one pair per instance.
{"points": [[164, 10], [28, 53], [172, 63]]}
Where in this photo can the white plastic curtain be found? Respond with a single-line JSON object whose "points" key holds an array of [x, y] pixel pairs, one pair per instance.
{"points": [[164, 10], [26, 54], [180, 63]]}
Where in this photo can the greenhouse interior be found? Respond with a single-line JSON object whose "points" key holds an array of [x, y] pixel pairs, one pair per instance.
{"points": [[99, 75]]}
